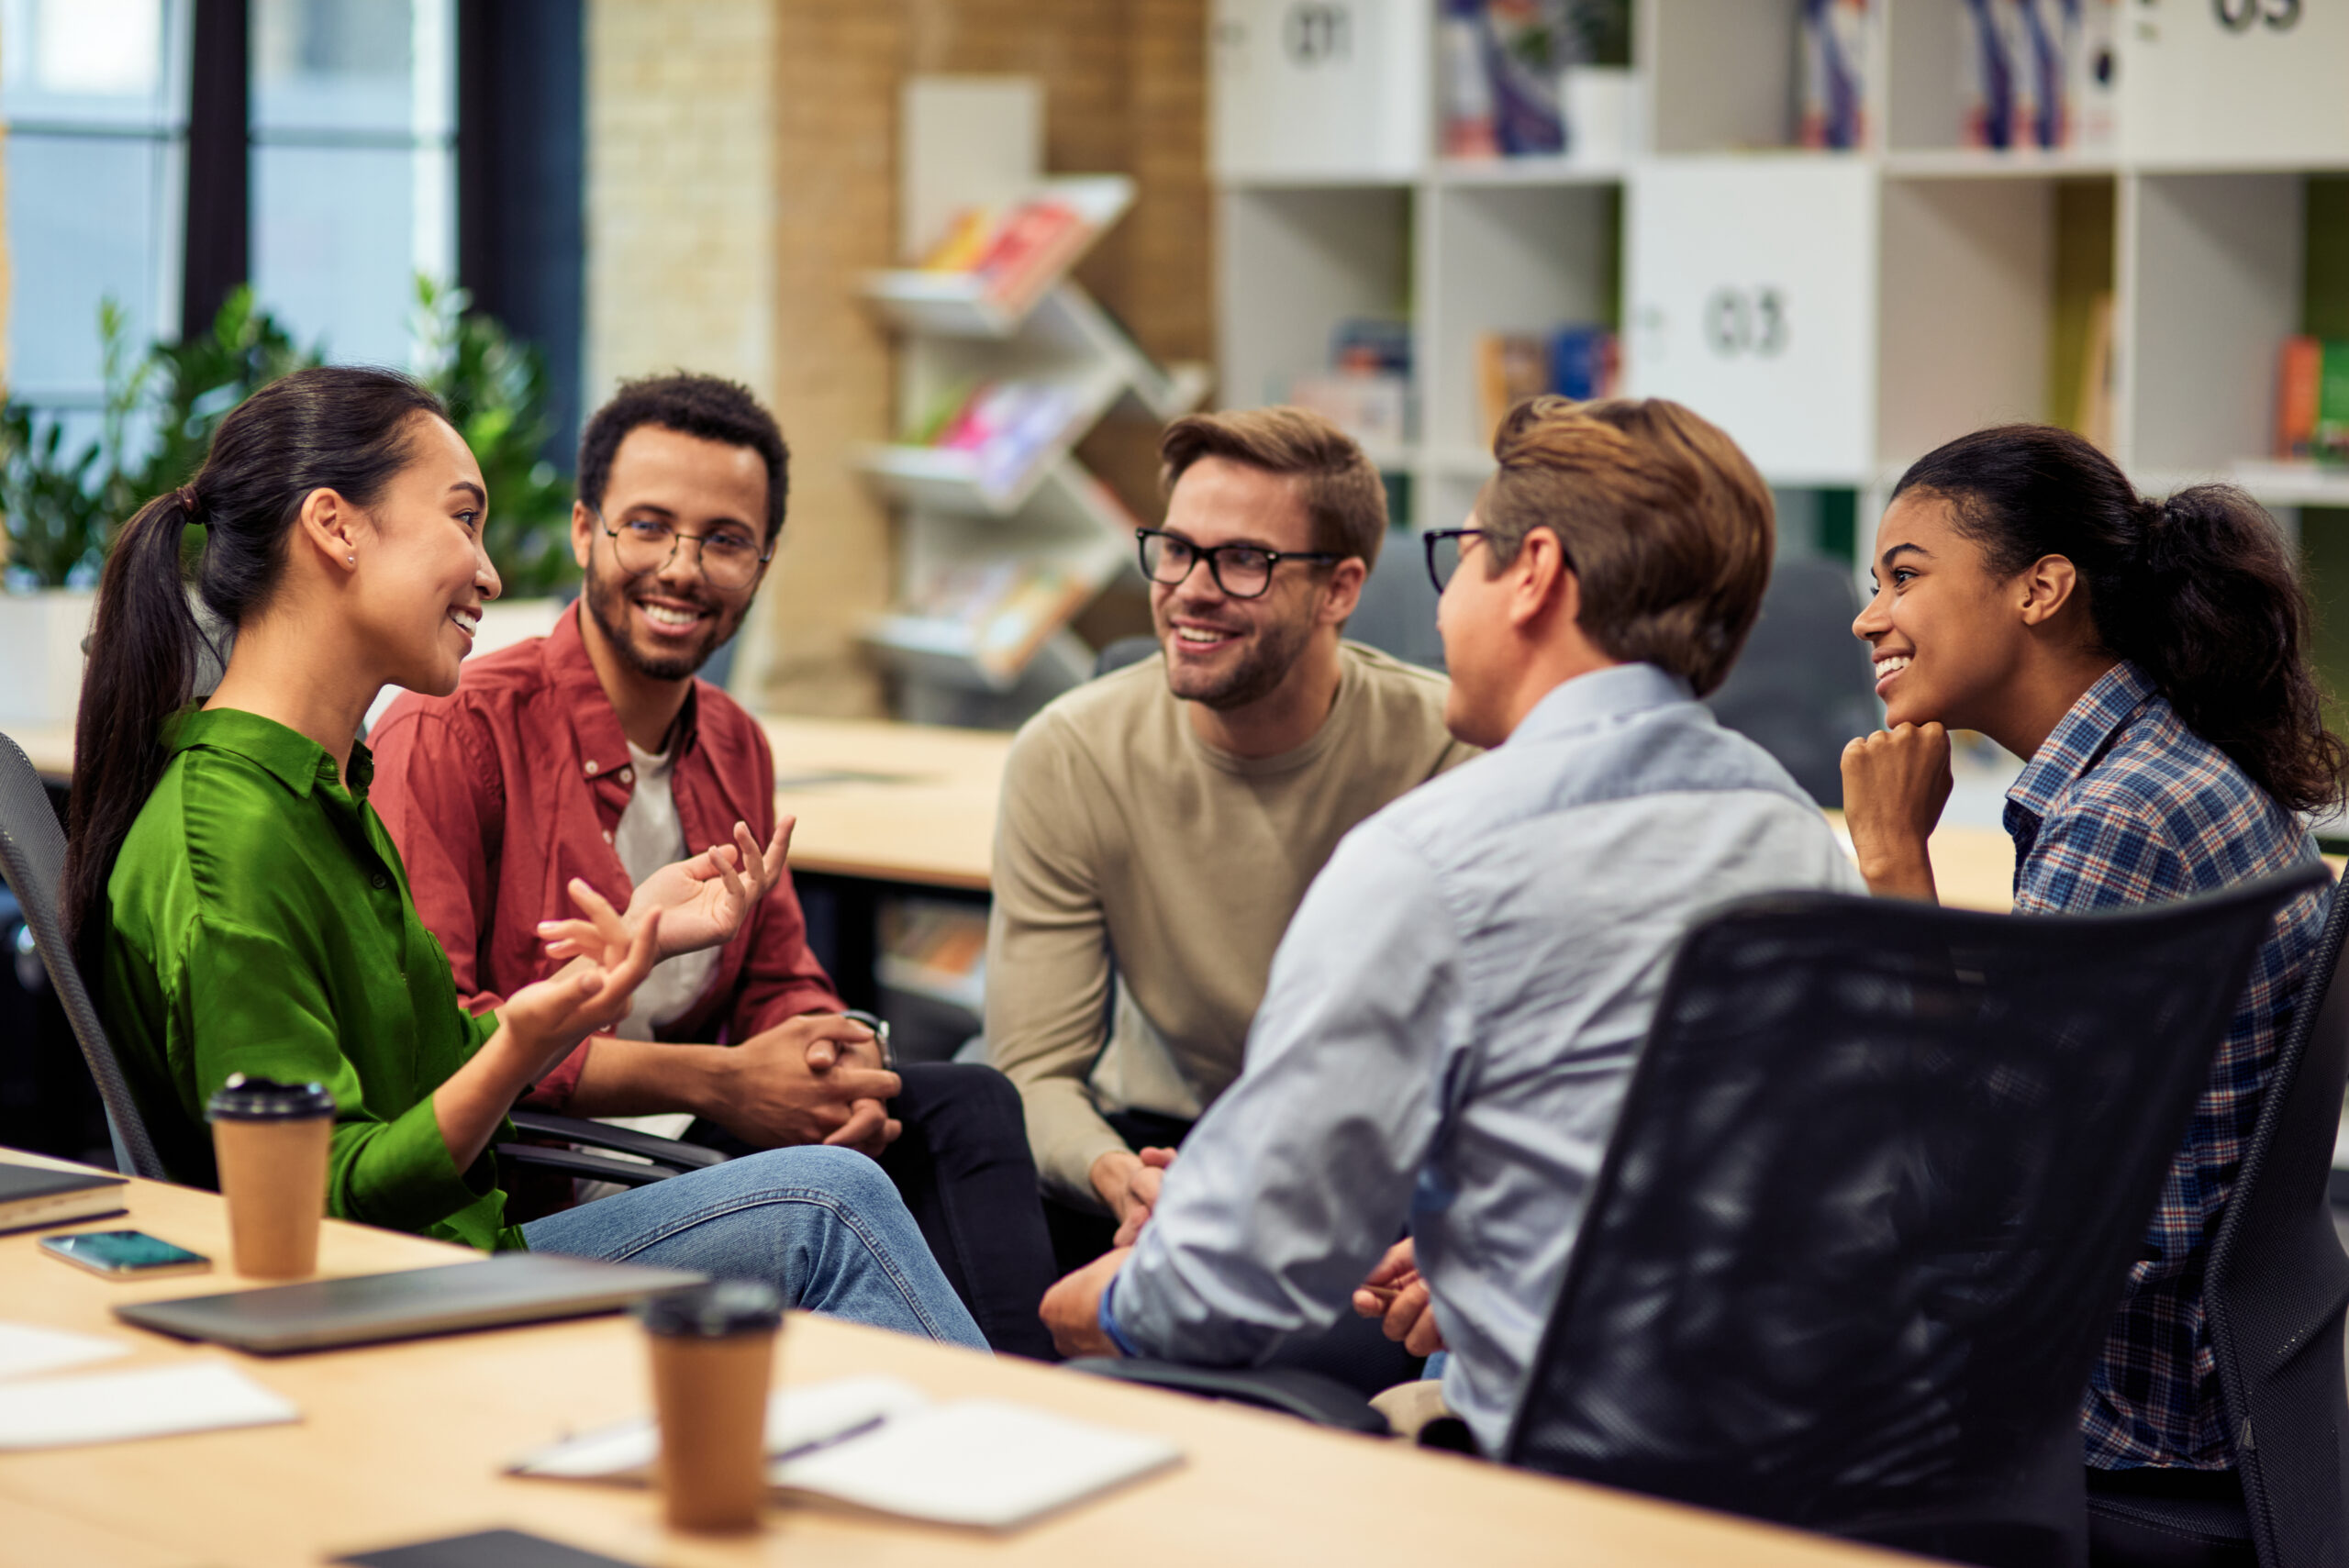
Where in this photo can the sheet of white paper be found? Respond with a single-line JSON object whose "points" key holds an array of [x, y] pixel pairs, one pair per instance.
{"points": [[796, 1417], [25, 1348], [56, 1412], [979, 1461]]}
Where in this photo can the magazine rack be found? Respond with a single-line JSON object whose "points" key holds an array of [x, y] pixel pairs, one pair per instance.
{"points": [[1006, 364]]}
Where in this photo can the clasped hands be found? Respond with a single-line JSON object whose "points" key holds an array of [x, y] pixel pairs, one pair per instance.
{"points": [[1130, 1184]]}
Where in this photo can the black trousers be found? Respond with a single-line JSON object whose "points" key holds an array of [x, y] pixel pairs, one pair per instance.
{"points": [[963, 1166], [1355, 1351]]}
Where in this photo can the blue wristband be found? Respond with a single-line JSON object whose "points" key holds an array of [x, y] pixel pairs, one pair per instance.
{"points": [[1109, 1321]]}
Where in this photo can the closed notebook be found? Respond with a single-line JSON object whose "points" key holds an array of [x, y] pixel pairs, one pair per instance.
{"points": [[33, 1195], [878, 1443]]}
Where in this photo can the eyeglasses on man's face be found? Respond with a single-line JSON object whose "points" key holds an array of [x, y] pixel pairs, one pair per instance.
{"points": [[1444, 547], [729, 555], [1240, 571]]}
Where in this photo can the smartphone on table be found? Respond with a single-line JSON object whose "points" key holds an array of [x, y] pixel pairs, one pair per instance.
{"points": [[125, 1254]]}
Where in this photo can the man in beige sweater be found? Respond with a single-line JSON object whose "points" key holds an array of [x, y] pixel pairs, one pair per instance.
{"points": [[1161, 823]]}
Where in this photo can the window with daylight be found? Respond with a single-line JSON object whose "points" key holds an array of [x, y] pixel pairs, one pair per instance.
{"points": [[353, 118], [93, 97]]}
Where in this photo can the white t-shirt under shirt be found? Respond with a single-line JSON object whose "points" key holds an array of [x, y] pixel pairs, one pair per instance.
{"points": [[650, 836]]}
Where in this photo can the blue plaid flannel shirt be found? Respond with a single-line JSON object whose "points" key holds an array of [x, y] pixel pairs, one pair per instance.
{"points": [[2124, 805]]}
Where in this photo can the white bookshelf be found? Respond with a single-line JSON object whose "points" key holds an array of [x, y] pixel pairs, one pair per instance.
{"points": [[1910, 286]]}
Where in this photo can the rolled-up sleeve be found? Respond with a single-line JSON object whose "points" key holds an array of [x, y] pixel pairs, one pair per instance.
{"points": [[1296, 1181], [247, 1003]]}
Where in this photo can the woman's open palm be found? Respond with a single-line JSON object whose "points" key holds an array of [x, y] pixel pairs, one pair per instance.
{"points": [[609, 959]]}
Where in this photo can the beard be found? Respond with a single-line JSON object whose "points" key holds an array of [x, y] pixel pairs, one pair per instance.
{"points": [[1263, 661], [607, 601]]}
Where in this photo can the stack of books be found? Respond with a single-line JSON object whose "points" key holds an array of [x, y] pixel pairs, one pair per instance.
{"points": [[1578, 360], [1007, 426], [2313, 402], [1003, 609], [2037, 72], [1017, 251]]}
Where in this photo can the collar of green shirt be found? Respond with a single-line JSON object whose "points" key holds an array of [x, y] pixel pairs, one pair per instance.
{"points": [[296, 760]]}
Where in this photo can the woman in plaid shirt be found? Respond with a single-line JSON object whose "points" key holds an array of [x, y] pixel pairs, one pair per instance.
{"points": [[2150, 658]]}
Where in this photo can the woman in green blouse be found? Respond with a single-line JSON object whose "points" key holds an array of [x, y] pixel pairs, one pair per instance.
{"points": [[245, 912]]}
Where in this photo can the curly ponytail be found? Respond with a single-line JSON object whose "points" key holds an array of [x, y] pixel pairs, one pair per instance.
{"points": [[341, 428], [2199, 591]]}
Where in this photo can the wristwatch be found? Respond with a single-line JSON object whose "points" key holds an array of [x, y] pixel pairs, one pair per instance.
{"points": [[880, 1028]]}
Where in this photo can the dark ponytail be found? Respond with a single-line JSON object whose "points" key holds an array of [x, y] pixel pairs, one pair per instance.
{"points": [[341, 429], [2200, 591]]}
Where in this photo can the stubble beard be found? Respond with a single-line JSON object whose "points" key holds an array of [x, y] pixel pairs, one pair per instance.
{"points": [[1265, 658], [608, 602]]}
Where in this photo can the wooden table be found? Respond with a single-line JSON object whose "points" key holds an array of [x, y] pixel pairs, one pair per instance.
{"points": [[904, 803], [405, 1442]]}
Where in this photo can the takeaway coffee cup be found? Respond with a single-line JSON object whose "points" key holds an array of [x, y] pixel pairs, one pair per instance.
{"points": [[271, 1140], [713, 1356]]}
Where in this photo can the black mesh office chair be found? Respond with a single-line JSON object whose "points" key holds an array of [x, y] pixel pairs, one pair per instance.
{"points": [[1803, 686], [1866, 1214], [2273, 1291], [32, 859]]}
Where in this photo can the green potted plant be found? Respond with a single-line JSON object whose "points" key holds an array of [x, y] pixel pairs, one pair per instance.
{"points": [[60, 503]]}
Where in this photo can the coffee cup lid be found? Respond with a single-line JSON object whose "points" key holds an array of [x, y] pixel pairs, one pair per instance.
{"points": [[713, 1311], [246, 1098]]}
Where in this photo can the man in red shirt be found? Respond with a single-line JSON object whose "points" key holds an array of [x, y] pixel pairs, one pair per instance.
{"points": [[593, 754]]}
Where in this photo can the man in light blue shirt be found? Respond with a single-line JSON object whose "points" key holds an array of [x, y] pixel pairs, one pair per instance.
{"points": [[1454, 1009]]}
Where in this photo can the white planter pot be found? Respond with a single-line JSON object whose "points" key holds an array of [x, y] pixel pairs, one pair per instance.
{"points": [[40, 655]]}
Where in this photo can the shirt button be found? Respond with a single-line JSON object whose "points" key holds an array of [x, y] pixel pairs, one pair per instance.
{"points": [[380, 881], [608, 835], [591, 767], [627, 775]]}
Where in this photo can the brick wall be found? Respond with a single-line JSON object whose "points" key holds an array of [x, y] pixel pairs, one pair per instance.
{"points": [[741, 173]]}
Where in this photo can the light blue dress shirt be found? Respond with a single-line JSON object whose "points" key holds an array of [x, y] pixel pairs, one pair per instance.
{"points": [[1449, 1031]]}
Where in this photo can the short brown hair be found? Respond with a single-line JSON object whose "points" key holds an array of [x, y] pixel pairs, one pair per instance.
{"points": [[1666, 523], [1344, 498]]}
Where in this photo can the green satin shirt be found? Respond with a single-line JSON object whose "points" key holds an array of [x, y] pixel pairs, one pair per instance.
{"points": [[260, 922]]}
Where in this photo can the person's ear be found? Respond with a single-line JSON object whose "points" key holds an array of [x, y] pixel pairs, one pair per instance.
{"points": [[582, 533], [1341, 595], [2047, 585], [1541, 582], [334, 528]]}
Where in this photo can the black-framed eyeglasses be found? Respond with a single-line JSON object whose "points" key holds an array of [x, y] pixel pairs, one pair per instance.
{"points": [[1242, 571], [730, 557], [1444, 548]]}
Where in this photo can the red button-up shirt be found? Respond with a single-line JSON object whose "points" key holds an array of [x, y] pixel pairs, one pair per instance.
{"points": [[502, 792]]}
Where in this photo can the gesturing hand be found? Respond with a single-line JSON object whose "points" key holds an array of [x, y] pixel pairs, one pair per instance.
{"points": [[1895, 783], [703, 900], [592, 991], [1395, 1292]]}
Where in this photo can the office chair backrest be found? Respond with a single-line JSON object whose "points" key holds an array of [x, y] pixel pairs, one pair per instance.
{"points": [[2277, 1283], [32, 856], [1868, 1210], [1803, 686], [1125, 651]]}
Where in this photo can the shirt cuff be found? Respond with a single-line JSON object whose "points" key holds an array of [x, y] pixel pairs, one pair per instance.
{"points": [[404, 1178], [1107, 1319]]}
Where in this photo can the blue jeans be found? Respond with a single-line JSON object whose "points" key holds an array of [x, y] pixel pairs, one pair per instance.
{"points": [[823, 1226]]}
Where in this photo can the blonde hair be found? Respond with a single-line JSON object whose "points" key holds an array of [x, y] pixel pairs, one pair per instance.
{"points": [[1664, 522], [1344, 498]]}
